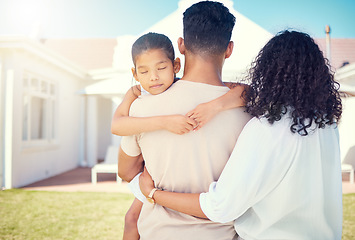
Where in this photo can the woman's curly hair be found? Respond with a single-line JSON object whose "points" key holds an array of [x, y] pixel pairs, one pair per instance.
{"points": [[291, 74]]}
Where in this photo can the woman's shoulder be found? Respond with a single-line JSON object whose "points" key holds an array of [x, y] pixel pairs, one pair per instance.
{"points": [[261, 127]]}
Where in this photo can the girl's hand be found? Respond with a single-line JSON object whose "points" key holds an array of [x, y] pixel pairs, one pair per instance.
{"points": [[146, 182], [203, 113], [179, 124]]}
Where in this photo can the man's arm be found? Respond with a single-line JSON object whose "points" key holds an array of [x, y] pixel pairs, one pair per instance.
{"points": [[128, 166]]}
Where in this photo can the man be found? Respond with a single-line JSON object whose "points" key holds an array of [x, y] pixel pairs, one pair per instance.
{"points": [[190, 162]]}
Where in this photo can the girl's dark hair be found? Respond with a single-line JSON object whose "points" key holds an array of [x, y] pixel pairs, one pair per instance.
{"points": [[152, 41], [290, 73]]}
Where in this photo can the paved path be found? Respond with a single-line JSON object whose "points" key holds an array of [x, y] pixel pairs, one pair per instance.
{"points": [[79, 180]]}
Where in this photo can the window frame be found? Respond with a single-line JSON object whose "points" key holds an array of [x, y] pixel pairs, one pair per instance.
{"points": [[45, 90]]}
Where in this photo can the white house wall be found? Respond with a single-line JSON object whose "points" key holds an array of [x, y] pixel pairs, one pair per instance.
{"points": [[346, 77], [347, 131], [30, 164]]}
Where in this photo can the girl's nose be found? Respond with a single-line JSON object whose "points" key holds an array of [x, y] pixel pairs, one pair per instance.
{"points": [[154, 76]]}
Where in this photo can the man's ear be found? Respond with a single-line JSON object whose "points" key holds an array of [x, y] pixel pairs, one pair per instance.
{"points": [[134, 73], [229, 50], [177, 65], [181, 45]]}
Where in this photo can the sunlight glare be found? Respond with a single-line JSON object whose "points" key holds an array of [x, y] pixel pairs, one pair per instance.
{"points": [[30, 17]]}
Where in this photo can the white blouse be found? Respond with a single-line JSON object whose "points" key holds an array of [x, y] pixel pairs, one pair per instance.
{"points": [[280, 185]]}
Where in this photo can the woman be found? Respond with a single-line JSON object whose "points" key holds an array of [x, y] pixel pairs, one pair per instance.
{"points": [[283, 179]]}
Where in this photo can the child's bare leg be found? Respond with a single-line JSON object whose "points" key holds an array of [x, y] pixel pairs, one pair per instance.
{"points": [[131, 218]]}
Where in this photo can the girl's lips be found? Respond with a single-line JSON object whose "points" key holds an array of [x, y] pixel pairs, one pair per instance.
{"points": [[156, 86]]}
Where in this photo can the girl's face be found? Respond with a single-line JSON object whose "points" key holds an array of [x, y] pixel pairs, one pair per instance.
{"points": [[155, 71]]}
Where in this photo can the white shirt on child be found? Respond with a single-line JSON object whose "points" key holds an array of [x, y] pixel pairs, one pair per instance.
{"points": [[280, 185]]}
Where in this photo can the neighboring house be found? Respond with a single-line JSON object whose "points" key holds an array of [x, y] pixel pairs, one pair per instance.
{"points": [[58, 95], [342, 51], [346, 76]]}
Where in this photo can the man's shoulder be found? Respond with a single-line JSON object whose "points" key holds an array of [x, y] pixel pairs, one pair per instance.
{"points": [[241, 114]]}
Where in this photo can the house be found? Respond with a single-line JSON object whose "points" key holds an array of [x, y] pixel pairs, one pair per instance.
{"points": [[41, 116], [346, 76], [58, 95]]}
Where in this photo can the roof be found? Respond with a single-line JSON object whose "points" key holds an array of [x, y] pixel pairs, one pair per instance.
{"points": [[341, 50], [88, 53], [346, 74], [98, 53], [37, 49]]}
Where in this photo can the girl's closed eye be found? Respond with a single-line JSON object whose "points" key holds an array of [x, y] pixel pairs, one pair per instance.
{"points": [[162, 68]]}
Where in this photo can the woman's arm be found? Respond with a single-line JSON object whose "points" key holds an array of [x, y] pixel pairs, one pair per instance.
{"points": [[124, 125], [232, 99], [187, 203]]}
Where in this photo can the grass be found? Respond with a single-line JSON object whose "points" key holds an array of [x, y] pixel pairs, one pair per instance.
{"points": [[67, 215], [348, 216], [62, 215]]}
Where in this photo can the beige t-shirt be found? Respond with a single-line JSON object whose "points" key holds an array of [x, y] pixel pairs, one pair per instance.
{"points": [[184, 163]]}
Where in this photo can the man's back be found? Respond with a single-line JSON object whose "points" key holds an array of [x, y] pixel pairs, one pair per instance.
{"points": [[185, 163]]}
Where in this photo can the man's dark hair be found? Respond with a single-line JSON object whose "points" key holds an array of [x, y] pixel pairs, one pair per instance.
{"points": [[290, 74], [207, 28]]}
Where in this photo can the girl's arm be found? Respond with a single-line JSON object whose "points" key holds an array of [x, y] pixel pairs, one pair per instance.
{"points": [[204, 112], [130, 222], [124, 125], [187, 203]]}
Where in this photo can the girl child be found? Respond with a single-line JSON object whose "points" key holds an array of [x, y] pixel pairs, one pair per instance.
{"points": [[283, 179], [155, 68]]}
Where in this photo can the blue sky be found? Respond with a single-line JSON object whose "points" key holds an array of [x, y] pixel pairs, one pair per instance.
{"points": [[111, 18]]}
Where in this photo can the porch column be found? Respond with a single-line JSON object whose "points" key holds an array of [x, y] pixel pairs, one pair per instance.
{"points": [[115, 140], [2, 160], [9, 101], [91, 130], [82, 156]]}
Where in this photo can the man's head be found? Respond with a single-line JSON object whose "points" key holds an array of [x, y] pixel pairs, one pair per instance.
{"points": [[207, 28]]}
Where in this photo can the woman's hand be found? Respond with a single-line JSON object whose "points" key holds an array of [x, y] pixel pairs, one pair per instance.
{"points": [[146, 182], [187, 203], [178, 124]]}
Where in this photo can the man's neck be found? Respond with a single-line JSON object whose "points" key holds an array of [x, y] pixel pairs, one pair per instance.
{"points": [[203, 70]]}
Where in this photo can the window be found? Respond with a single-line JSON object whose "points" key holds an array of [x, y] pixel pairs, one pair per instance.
{"points": [[39, 96]]}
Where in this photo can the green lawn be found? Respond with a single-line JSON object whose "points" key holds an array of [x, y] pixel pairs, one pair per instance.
{"points": [[348, 216], [62, 215]]}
